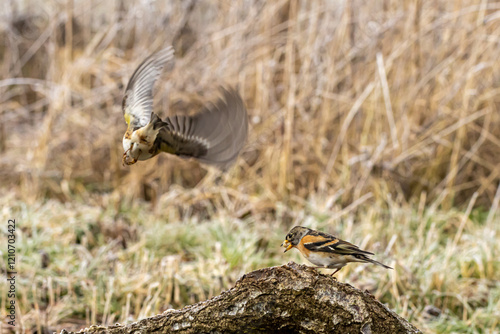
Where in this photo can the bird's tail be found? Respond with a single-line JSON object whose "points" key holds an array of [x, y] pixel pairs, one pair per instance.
{"points": [[214, 136], [378, 263], [364, 258], [225, 130]]}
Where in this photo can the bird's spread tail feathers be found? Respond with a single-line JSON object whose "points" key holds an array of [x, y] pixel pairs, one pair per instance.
{"points": [[214, 136]]}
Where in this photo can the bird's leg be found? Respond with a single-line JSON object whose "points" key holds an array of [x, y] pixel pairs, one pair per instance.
{"points": [[322, 267], [336, 272]]}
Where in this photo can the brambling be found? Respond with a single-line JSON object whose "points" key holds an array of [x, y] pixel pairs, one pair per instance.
{"points": [[325, 250], [214, 136]]}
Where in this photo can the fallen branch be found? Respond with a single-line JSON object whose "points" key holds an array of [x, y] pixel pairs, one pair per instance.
{"points": [[287, 299]]}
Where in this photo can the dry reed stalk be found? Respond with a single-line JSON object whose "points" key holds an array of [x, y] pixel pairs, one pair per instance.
{"points": [[307, 62]]}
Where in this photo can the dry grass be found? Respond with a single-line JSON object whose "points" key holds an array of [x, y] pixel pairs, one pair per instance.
{"points": [[377, 120]]}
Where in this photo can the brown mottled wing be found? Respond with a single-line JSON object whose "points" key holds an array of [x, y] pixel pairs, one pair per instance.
{"points": [[137, 103], [214, 136]]}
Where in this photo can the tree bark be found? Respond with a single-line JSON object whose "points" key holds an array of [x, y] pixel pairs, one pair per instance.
{"points": [[287, 299]]}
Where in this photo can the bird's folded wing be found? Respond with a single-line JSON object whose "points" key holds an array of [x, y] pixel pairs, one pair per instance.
{"points": [[334, 245], [214, 136]]}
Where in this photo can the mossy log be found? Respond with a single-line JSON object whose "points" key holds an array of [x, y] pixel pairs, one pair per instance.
{"points": [[288, 299]]}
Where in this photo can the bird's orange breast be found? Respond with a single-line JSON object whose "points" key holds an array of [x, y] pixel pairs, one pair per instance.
{"points": [[306, 252]]}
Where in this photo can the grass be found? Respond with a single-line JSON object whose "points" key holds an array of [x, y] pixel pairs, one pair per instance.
{"points": [[105, 266], [377, 121]]}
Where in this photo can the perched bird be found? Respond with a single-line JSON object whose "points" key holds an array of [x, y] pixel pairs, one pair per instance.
{"points": [[325, 250], [214, 136]]}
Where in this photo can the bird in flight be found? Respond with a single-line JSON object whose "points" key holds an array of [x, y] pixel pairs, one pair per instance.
{"points": [[214, 136]]}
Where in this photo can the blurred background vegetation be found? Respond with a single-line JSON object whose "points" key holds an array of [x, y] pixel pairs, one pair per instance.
{"points": [[377, 121]]}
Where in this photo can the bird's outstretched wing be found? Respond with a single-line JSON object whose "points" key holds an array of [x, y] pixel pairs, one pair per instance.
{"points": [[137, 103], [214, 136]]}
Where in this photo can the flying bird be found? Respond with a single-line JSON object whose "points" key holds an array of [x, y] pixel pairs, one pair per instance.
{"points": [[214, 136], [325, 250]]}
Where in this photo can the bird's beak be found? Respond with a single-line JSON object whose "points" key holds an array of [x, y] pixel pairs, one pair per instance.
{"points": [[287, 244], [128, 159]]}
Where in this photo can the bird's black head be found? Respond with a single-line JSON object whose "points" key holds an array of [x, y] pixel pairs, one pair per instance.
{"points": [[293, 237]]}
